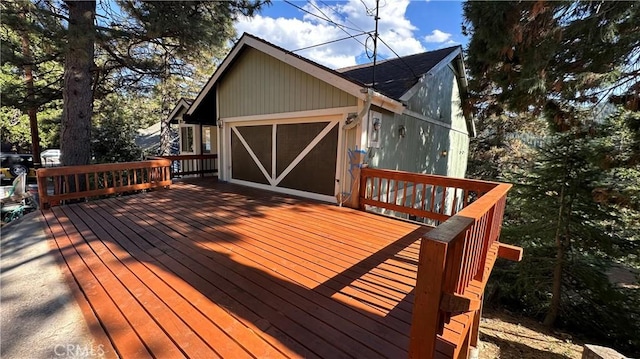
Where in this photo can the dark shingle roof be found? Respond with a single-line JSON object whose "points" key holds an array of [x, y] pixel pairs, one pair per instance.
{"points": [[394, 77]]}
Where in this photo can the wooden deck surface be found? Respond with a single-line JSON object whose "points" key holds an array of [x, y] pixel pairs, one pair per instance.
{"points": [[208, 270]]}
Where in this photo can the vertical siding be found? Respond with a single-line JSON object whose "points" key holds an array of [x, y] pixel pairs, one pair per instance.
{"points": [[421, 150], [259, 84], [439, 98]]}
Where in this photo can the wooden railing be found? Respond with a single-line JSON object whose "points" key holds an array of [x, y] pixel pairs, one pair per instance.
{"points": [[425, 197], [456, 257], [59, 184], [188, 165]]}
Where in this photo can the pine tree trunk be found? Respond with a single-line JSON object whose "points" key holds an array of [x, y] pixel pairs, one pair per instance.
{"points": [[32, 109], [75, 141], [556, 291], [165, 125]]}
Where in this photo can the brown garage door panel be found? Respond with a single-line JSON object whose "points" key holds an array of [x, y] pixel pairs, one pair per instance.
{"points": [[291, 139], [244, 167], [259, 140], [316, 172]]}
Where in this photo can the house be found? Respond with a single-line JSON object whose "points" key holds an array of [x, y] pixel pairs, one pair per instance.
{"points": [[281, 122], [149, 139], [196, 137]]}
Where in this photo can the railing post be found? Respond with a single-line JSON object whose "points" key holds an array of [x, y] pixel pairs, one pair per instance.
{"points": [[362, 189], [425, 320]]}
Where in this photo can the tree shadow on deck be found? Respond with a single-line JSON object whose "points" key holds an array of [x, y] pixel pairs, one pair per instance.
{"points": [[209, 246]]}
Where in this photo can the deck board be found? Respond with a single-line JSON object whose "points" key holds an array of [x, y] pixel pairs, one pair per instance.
{"points": [[215, 270]]}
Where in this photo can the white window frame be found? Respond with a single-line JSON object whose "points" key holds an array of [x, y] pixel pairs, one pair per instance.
{"points": [[193, 129]]}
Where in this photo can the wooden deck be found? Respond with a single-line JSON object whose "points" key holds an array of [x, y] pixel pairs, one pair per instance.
{"points": [[214, 270]]}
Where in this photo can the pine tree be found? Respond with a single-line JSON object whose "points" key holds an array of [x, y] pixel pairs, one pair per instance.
{"points": [[111, 46], [544, 83]]}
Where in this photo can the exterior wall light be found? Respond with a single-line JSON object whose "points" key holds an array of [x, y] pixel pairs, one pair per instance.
{"points": [[402, 131], [443, 153], [376, 124], [220, 123]]}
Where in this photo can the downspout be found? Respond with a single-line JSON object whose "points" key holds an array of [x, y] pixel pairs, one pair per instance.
{"points": [[348, 126], [365, 109]]}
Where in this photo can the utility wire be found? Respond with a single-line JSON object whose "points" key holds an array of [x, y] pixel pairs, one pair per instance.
{"points": [[330, 42], [328, 19], [343, 27], [318, 16], [335, 12], [369, 11], [398, 56]]}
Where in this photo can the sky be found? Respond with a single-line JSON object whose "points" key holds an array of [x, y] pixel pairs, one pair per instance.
{"points": [[407, 27]]}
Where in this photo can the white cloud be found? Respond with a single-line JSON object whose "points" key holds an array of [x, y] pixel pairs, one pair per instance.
{"points": [[394, 29], [438, 36]]}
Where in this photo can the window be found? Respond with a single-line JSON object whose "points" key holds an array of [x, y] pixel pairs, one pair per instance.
{"points": [[206, 139], [187, 139]]}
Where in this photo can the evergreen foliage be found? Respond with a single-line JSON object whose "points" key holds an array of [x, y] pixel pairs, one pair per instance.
{"points": [[128, 48], [544, 92]]}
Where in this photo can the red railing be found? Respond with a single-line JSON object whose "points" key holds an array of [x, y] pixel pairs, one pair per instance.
{"points": [[426, 197], [57, 184], [456, 257]]}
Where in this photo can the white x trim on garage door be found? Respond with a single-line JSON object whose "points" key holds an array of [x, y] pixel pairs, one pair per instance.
{"points": [[295, 156]]}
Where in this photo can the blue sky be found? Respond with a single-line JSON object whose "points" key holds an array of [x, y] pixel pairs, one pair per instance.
{"points": [[408, 27]]}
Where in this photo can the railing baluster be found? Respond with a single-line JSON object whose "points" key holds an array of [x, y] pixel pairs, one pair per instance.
{"points": [[454, 207], [404, 193], [75, 182], [414, 194], [433, 198]]}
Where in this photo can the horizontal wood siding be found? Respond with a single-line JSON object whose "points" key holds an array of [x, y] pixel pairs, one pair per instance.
{"points": [[259, 84]]}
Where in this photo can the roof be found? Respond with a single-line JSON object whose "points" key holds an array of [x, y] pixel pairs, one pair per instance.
{"points": [[183, 105], [394, 77], [333, 77]]}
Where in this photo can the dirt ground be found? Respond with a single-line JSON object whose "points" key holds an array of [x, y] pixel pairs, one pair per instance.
{"points": [[507, 336]]}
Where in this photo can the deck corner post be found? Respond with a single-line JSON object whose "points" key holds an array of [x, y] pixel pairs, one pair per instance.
{"points": [[428, 290], [42, 188]]}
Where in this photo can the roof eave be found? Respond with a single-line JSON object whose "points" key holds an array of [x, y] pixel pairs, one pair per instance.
{"points": [[443, 63], [182, 104], [387, 103]]}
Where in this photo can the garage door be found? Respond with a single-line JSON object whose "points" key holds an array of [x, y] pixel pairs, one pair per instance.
{"points": [[291, 157]]}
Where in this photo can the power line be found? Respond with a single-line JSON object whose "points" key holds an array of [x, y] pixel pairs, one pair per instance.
{"points": [[338, 25], [369, 11], [335, 12], [351, 36], [398, 56], [318, 16], [328, 19], [330, 42]]}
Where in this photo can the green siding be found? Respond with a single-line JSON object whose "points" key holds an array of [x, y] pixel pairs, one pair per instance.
{"points": [[420, 151], [258, 84], [439, 99]]}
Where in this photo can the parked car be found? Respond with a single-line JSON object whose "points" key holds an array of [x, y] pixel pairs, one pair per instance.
{"points": [[50, 158], [15, 164]]}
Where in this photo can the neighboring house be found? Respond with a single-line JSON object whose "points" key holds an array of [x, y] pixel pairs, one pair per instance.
{"points": [[149, 139], [196, 136], [281, 122]]}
